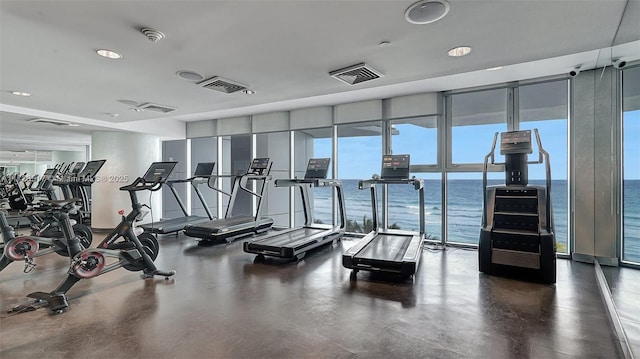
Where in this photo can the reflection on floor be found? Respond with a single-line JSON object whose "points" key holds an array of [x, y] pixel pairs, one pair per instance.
{"points": [[222, 304], [624, 284]]}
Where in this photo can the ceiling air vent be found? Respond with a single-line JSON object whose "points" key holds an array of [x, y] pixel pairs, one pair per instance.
{"points": [[356, 74], [223, 85], [52, 122], [154, 107]]}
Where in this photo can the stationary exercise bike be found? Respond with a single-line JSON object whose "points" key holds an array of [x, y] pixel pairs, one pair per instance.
{"points": [[26, 248], [133, 252]]}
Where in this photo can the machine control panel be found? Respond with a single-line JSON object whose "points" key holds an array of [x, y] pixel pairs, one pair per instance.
{"points": [[395, 166], [515, 142]]}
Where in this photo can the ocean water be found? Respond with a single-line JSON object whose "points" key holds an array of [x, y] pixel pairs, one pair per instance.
{"points": [[465, 210]]}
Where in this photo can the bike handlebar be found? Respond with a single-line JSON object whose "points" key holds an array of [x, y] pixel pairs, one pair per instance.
{"points": [[140, 185]]}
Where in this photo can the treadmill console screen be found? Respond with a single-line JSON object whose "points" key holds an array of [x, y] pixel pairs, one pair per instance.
{"points": [[204, 169], [515, 142], [259, 165], [77, 168], [317, 168], [91, 170], [46, 179], [395, 166], [159, 172]]}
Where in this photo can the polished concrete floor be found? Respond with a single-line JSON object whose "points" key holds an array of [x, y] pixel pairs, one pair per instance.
{"points": [[222, 304]]}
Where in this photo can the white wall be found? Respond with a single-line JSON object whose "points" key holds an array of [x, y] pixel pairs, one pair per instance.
{"points": [[128, 156]]}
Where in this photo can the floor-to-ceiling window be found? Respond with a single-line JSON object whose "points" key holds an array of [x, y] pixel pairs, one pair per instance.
{"points": [[418, 137], [359, 157], [474, 119], [277, 147], [314, 143], [544, 106], [631, 165]]}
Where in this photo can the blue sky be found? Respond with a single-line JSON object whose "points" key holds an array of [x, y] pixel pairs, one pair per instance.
{"points": [[360, 156]]}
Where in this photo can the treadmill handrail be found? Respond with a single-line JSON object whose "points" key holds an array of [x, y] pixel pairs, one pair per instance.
{"points": [[418, 183], [249, 176]]}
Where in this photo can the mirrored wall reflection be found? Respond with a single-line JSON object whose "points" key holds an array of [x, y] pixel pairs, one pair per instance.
{"points": [[631, 165], [20, 170]]}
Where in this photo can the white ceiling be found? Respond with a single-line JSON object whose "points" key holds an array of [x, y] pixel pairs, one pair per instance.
{"points": [[283, 50]]}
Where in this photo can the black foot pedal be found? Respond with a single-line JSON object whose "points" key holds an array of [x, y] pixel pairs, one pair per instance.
{"points": [[57, 303]]}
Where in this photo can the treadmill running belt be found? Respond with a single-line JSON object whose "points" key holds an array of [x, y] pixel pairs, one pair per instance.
{"points": [[386, 247]]}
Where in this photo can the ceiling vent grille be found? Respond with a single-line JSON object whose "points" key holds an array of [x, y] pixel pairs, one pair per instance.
{"points": [[356, 74], [52, 122], [218, 83], [155, 107]]}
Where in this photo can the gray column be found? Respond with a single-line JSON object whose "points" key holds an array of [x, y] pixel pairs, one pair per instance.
{"points": [[594, 115]]}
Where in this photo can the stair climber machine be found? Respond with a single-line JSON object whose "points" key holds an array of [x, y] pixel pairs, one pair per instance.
{"points": [[293, 243], [517, 221], [234, 225], [123, 247], [383, 249], [202, 174]]}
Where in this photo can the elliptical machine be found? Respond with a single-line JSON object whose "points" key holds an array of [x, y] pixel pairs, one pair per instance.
{"points": [[133, 252], [517, 219]]}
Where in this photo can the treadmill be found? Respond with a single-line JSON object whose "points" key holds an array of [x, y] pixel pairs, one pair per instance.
{"points": [[234, 225], [294, 243], [383, 249], [202, 174]]}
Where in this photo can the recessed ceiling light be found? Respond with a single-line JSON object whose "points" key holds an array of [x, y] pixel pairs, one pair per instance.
{"points": [[426, 11], [384, 44], [494, 68], [108, 54], [20, 93], [248, 92], [459, 51]]}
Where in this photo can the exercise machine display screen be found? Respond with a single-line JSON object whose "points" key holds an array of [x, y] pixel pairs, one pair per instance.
{"points": [[159, 172], [317, 168], [515, 142], [90, 170], [46, 179], [395, 166], [204, 169], [260, 163], [77, 168]]}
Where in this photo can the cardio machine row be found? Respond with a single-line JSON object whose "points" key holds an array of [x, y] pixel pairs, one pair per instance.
{"points": [[503, 242]]}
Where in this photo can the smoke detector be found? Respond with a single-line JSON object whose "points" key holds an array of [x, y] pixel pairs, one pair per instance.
{"points": [[152, 35], [218, 83], [356, 74], [426, 11]]}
